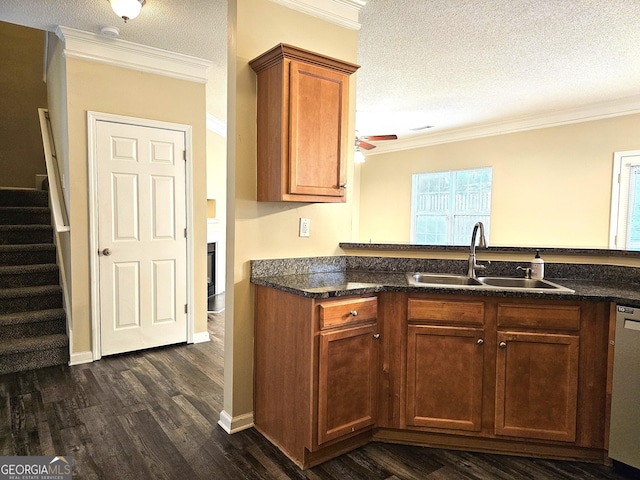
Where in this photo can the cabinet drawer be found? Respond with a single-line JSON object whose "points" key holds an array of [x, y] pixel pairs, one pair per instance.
{"points": [[539, 316], [350, 311], [446, 312]]}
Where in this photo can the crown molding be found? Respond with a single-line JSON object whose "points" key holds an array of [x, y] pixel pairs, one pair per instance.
{"points": [[585, 113], [340, 12], [217, 126], [120, 53]]}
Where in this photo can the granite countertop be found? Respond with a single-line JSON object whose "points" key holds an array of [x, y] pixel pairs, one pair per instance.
{"points": [[413, 247], [344, 283], [337, 277]]}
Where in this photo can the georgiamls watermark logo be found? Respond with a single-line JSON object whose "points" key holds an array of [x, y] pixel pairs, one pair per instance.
{"points": [[35, 468]]}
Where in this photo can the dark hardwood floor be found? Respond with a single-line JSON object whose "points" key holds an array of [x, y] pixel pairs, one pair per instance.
{"points": [[153, 415]]}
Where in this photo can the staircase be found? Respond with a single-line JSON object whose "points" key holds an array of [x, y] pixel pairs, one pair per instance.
{"points": [[32, 320]]}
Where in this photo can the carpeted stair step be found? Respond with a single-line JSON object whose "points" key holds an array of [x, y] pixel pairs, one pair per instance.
{"points": [[25, 216], [25, 234], [16, 276], [35, 352], [23, 197], [32, 324], [27, 254], [27, 299]]}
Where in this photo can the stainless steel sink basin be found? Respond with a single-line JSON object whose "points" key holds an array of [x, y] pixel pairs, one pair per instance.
{"points": [[516, 282], [441, 279], [523, 284], [444, 280]]}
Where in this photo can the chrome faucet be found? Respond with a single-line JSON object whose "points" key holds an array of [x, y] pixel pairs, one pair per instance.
{"points": [[473, 266]]}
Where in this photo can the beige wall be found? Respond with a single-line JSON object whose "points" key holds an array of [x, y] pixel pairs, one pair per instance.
{"points": [[551, 186], [22, 91], [268, 230], [217, 190], [107, 89]]}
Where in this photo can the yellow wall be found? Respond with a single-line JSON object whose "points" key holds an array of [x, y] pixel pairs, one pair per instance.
{"points": [[107, 89], [551, 186], [22, 92], [268, 230]]}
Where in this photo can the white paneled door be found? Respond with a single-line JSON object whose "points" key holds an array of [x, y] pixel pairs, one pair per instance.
{"points": [[141, 237]]}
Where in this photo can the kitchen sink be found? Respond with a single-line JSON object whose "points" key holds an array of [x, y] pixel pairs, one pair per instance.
{"points": [[485, 283], [526, 284], [516, 282], [438, 279]]}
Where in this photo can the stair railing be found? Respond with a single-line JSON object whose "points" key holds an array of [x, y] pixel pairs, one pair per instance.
{"points": [[58, 204], [60, 215]]}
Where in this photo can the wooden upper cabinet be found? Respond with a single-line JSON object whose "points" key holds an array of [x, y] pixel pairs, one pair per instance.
{"points": [[303, 125]]}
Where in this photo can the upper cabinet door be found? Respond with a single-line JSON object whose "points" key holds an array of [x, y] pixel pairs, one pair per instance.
{"points": [[303, 125], [318, 130]]}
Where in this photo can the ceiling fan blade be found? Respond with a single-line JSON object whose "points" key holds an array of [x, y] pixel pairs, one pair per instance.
{"points": [[377, 138], [365, 145]]}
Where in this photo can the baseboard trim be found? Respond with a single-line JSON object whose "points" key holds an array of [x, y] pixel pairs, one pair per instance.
{"points": [[201, 337], [80, 358], [235, 424]]}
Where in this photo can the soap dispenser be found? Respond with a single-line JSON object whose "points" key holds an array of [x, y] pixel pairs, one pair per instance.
{"points": [[537, 266]]}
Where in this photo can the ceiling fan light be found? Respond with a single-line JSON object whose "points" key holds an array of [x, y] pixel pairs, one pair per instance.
{"points": [[127, 9], [358, 156]]}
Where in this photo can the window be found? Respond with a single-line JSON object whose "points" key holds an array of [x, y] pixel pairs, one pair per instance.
{"points": [[625, 201], [446, 205]]}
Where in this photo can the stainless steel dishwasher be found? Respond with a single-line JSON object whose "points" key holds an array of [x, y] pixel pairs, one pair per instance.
{"points": [[624, 439]]}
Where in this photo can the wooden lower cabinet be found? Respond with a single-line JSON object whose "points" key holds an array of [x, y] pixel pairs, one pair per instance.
{"points": [[444, 377], [316, 370], [348, 379], [537, 385], [505, 375], [537, 370], [495, 374]]}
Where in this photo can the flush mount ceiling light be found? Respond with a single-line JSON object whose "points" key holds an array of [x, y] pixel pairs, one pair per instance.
{"points": [[127, 9]]}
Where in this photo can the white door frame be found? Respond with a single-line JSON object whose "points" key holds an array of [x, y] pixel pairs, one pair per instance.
{"points": [[92, 160]]}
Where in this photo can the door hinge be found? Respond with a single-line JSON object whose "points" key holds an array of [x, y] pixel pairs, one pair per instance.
{"points": [[185, 233], [186, 308], [184, 155]]}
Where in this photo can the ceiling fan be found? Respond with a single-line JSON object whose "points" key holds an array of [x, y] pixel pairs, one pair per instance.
{"points": [[363, 142]]}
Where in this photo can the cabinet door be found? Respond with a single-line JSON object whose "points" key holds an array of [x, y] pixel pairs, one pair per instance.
{"points": [[318, 119], [537, 385], [347, 390], [444, 377]]}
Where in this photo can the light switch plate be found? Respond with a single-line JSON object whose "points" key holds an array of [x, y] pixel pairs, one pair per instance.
{"points": [[305, 227]]}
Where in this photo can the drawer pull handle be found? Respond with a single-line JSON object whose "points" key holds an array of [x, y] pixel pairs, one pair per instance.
{"points": [[480, 341], [376, 336], [353, 313], [502, 344]]}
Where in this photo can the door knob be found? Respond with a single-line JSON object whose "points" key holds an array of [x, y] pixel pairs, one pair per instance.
{"points": [[106, 252]]}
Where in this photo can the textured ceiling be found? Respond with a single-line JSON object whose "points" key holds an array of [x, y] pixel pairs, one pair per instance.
{"points": [[452, 64], [444, 63], [192, 27]]}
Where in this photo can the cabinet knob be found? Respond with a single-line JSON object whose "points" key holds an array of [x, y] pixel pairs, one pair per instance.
{"points": [[480, 341], [344, 185], [376, 336], [353, 313], [502, 344]]}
